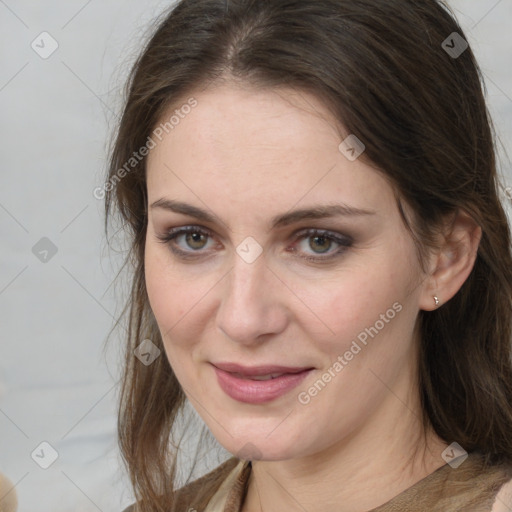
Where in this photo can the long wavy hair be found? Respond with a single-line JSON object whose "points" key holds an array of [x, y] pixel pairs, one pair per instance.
{"points": [[385, 71]]}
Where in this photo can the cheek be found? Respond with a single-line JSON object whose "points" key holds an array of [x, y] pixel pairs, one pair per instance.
{"points": [[170, 296], [354, 302], [178, 299]]}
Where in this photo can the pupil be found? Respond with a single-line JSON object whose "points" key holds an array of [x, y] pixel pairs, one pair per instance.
{"points": [[195, 238], [321, 239]]}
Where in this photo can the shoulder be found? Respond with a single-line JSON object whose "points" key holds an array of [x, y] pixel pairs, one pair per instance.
{"points": [[485, 484], [490, 483], [200, 490]]}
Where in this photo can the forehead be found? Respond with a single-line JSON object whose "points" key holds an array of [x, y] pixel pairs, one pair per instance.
{"points": [[248, 144], [236, 119]]}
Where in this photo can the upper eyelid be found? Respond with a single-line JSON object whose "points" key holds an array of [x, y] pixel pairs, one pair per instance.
{"points": [[297, 232]]}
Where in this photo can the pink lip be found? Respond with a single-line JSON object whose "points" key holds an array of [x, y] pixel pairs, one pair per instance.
{"points": [[257, 391]]}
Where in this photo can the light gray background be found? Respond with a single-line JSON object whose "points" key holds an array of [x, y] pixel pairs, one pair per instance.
{"points": [[57, 113]]}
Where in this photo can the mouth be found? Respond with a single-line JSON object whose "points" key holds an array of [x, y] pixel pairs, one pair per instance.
{"points": [[258, 384], [263, 370], [259, 377]]}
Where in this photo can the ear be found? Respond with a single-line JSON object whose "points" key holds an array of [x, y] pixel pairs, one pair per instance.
{"points": [[452, 262]]}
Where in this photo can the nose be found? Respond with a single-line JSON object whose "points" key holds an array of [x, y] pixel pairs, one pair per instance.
{"points": [[252, 303]]}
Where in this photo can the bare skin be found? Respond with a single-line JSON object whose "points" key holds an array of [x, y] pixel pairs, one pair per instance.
{"points": [[247, 156]]}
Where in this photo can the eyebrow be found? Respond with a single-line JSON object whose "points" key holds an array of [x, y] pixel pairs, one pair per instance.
{"points": [[315, 212]]}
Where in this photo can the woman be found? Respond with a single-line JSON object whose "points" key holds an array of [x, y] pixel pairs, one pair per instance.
{"points": [[322, 264]]}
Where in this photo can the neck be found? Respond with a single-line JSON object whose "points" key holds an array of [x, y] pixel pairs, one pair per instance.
{"points": [[387, 455]]}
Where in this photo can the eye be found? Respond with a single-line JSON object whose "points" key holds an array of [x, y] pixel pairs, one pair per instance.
{"points": [[321, 242], [194, 240]]}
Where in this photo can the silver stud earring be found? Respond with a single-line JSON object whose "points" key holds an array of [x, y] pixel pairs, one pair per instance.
{"points": [[436, 300]]}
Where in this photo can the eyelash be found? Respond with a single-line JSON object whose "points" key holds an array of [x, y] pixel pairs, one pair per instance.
{"points": [[343, 241]]}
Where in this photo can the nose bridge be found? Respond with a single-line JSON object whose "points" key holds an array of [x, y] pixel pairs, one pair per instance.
{"points": [[248, 272], [245, 285], [248, 308]]}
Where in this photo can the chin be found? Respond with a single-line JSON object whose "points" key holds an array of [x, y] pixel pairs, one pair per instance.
{"points": [[248, 444], [264, 451]]}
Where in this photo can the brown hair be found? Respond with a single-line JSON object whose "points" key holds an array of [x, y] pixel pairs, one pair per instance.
{"points": [[381, 68]]}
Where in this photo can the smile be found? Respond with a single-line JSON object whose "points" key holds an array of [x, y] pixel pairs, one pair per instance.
{"points": [[258, 387]]}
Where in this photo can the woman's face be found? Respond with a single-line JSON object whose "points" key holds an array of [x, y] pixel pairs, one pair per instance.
{"points": [[295, 257]]}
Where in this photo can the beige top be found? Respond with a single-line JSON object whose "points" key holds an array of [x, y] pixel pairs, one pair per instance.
{"points": [[472, 487]]}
